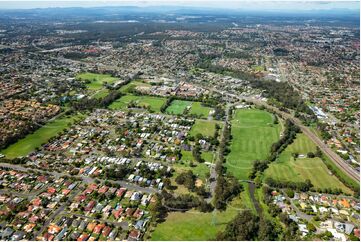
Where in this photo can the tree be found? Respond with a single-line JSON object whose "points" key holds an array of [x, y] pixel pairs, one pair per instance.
{"points": [[267, 230], [243, 227], [310, 155], [157, 210], [311, 227], [290, 193], [167, 183]]}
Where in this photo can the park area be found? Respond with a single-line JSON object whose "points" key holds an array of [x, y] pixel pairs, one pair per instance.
{"points": [[129, 88], [154, 103], [204, 127], [253, 133], [96, 81], [194, 225], [287, 168], [32, 141], [178, 107], [199, 110]]}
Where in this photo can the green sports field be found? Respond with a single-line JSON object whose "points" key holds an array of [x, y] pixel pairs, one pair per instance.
{"points": [[199, 110], [178, 107], [96, 80], [253, 134], [204, 127], [155, 103], [29, 143], [285, 168]]}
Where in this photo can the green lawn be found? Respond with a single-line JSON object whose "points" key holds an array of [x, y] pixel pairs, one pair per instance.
{"points": [[257, 68], [155, 103], [187, 156], [101, 93], [199, 110], [193, 225], [285, 168], [96, 80], [204, 127], [199, 169], [29, 143], [178, 107], [130, 86], [253, 134], [208, 156]]}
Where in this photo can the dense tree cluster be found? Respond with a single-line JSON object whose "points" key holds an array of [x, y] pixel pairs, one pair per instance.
{"points": [[298, 186], [246, 226], [167, 103], [226, 189], [284, 93], [289, 135], [219, 113], [187, 179], [93, 103], [185, 202]]}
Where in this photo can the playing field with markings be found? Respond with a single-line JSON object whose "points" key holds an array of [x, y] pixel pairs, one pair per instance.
{"points": [[286, 168], [253, 134]]}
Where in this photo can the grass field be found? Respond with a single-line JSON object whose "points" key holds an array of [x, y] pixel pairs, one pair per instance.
{"points": [[257, 68], [101, 93], [29, 143], [286, 168], [96, 80], [193, 225], [204, 127], [155, 103], [178, 106], [253, 133], [208, 156], [200, 110], [130, 86], [199, 169]]}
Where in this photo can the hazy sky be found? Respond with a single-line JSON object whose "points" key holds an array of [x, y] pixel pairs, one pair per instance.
{"points": [[234, 4]]}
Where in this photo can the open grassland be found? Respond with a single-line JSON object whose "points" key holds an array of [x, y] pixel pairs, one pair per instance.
{"points": [[178, 107], [200, 110], [193, 225], [101, 93], [253, 134], [130, 86], [96, 81], [199, 169], [32, 141], [286, 168], [204, 127], [208, 156], [154, 103]]}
